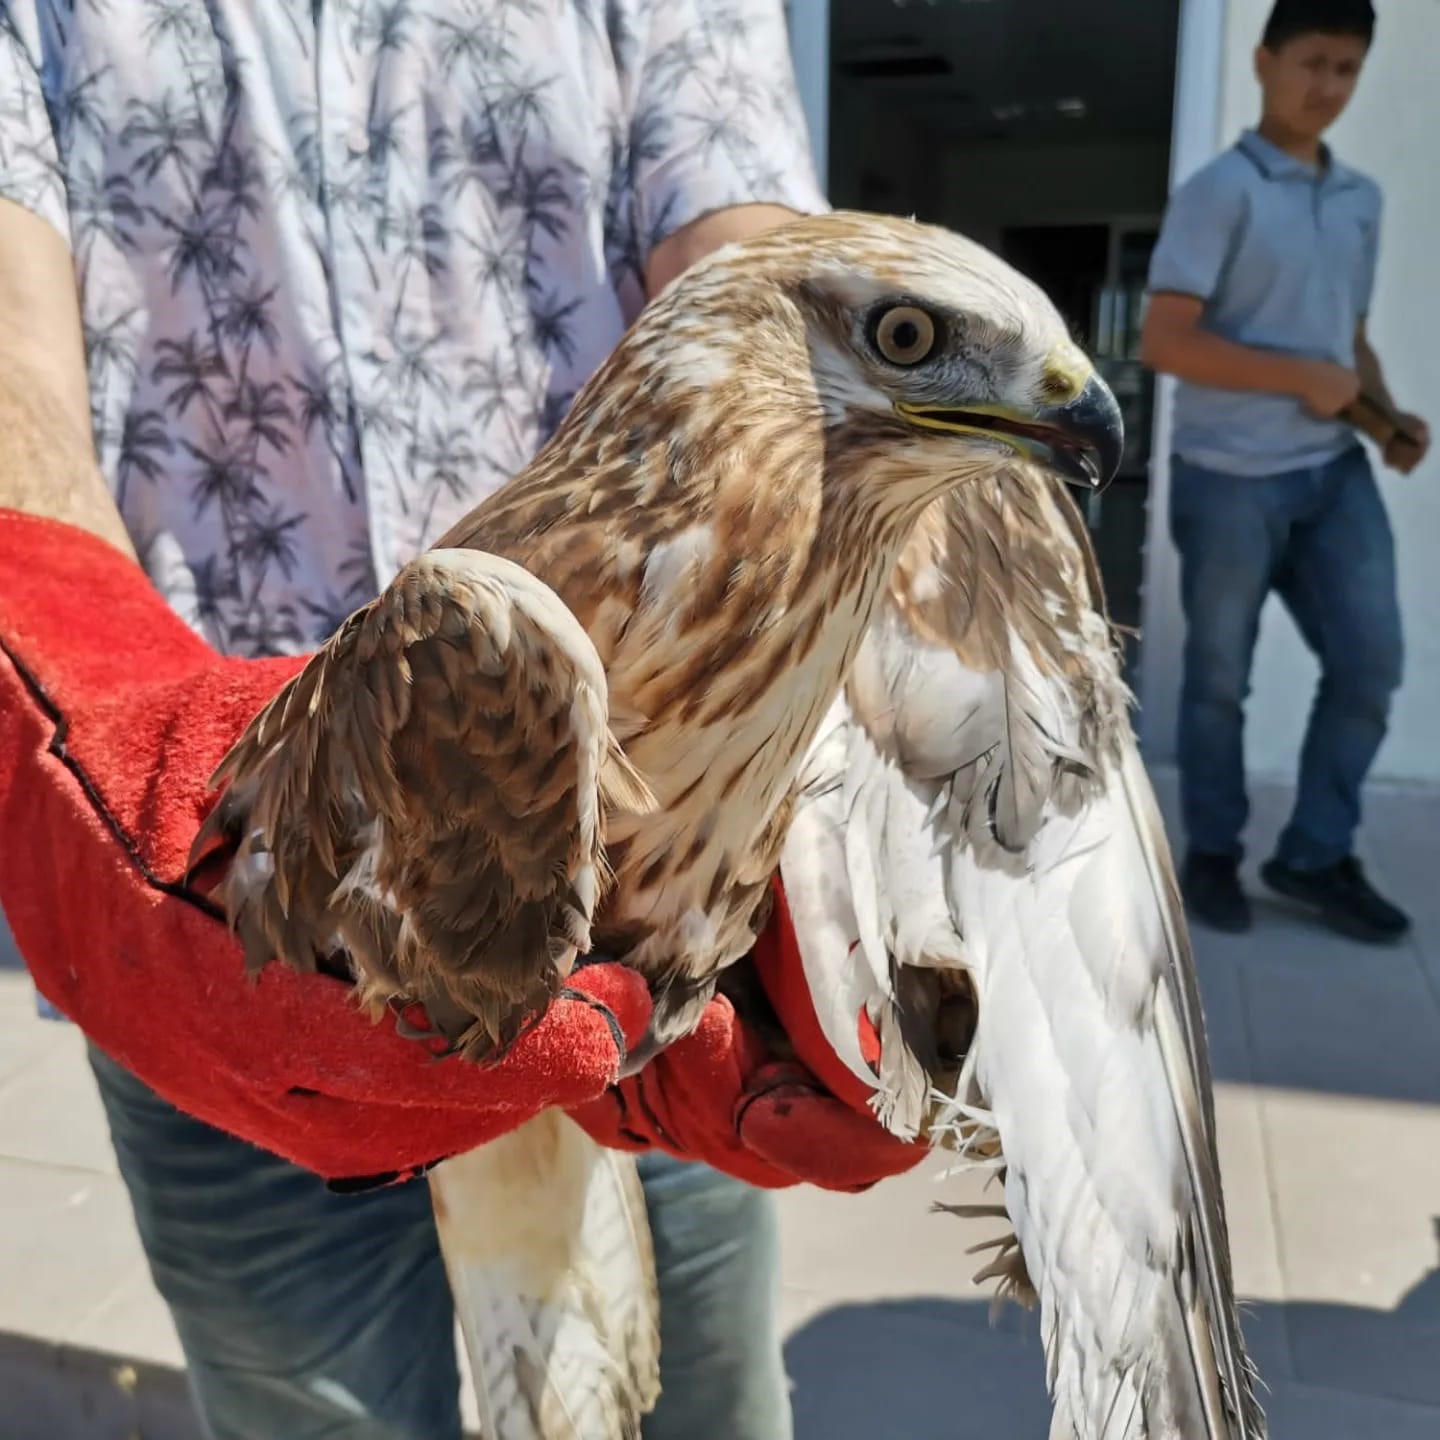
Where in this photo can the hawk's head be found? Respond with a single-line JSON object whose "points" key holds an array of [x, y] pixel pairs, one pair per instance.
{"points": [[908, 338]]}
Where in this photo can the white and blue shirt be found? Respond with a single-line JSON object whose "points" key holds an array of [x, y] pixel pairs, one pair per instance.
{"points": [[1283, 254], [344, 263]]}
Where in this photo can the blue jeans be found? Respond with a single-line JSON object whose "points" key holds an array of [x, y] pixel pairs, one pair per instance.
{"points": [[1320, 539], [304, 1313]]}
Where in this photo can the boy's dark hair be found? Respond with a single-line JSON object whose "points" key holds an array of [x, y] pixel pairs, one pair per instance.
{"points": [[1290, 19]]}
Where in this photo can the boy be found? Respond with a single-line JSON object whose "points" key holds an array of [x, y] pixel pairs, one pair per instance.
{"points": [[1259, 289]]}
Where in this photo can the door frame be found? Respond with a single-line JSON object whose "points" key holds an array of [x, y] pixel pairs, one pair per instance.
{"points": [[1194, 139], [809, 24]]}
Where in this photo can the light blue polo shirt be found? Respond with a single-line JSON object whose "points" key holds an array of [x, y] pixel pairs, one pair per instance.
{"points": [[1283, 255]]}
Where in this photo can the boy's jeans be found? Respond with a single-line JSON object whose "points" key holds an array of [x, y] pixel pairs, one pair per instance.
{"points": [[1321, 540], [306, 1314]]}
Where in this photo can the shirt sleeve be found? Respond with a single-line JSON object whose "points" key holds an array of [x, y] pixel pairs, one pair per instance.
{"points": [[1197, 235], [30, 172], [1369, 258], [715, 117]]}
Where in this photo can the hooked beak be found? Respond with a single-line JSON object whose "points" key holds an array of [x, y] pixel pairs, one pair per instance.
{"points": [[1081, 437]]}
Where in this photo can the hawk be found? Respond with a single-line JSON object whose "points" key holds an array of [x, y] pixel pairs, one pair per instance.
{"points": [[579, 722]]}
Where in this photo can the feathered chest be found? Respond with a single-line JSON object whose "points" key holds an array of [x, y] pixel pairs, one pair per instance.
{"points": [[719, 730], [726, 588], [720, 666]]}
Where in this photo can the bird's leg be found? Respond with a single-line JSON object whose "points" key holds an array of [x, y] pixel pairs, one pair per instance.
{"points": [[680, 1002], [640, 1056]]}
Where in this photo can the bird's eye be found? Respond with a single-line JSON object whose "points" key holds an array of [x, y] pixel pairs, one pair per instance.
{"points": [[904, 335]]}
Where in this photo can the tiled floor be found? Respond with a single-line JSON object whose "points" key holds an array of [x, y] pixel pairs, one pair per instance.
{"points": [[1327, 1057]]}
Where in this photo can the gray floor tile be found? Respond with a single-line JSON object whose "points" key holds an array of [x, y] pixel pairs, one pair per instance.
{"points": [[921, 1369], [132, 1320], [1267, 1341], [67, 1242], [1394, 1353], [21, 1038], [907, 1249], [49, 1109], [1356, 1194], [1218, 966], [1304, 1412], [1254, 1240], [1403, 853], [63, 1393], [1328, 1015], [21, 1041], [931, 1369]]}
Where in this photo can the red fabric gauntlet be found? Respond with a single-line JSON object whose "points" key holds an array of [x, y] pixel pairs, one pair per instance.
{"points": [[113, 714], [720, 1095]]}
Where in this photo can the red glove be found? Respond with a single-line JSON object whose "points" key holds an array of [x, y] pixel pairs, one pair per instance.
{"points": [[719, 1094], [113, 714]]}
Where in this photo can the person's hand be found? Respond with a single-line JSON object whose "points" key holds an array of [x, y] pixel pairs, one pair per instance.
{"points": [[1326, 388], [720, 1096], [113, 715], [724, 1095], [1407, 449]]}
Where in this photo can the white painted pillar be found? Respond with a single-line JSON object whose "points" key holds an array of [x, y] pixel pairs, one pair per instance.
{"points": [[1195, 137], [810, 48]]}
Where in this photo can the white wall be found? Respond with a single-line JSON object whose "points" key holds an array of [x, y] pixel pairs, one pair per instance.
{"points": [[1388, 131]]}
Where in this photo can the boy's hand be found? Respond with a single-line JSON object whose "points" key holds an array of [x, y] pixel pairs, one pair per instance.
{"points": [[1407, 449], [1327, 388]]}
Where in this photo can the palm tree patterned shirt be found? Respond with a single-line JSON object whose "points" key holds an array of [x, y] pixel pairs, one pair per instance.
{"points": [[344, 263]]}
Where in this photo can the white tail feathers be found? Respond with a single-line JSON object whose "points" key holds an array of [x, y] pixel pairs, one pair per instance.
{"points": [[547, 1245]]}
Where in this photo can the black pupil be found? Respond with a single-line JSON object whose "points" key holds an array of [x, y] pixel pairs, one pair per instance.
{"points": [[906, 335]]}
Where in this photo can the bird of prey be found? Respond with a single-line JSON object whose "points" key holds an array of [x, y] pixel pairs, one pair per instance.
{"points": [[982, 891], [579, 722]]}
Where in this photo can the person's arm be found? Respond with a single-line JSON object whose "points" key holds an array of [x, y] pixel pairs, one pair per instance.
{"points": [[47, 453], [692, 242], [717, 136], [1199, 242], [1368, 368], [1175, 341]]}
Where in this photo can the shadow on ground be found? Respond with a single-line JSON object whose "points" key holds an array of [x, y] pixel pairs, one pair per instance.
{"points": [[918, 1369], [937, 1369], [68, 1393]]}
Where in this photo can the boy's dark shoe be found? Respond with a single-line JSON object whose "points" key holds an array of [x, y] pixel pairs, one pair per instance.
{"points": [[1211, 887], [1344, 898]]}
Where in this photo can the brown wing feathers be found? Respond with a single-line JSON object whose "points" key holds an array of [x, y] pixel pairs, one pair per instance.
{"points": [[447, 688]]}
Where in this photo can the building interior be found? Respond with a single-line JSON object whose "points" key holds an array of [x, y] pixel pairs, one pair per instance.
{"points": [[1041, 128]]}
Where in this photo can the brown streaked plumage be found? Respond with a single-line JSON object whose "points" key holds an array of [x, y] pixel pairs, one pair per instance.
{"points": [[444, 789], [719, 512]]}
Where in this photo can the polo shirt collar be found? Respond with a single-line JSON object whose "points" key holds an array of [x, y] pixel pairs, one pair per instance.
{"points": [[1277, 164]]}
